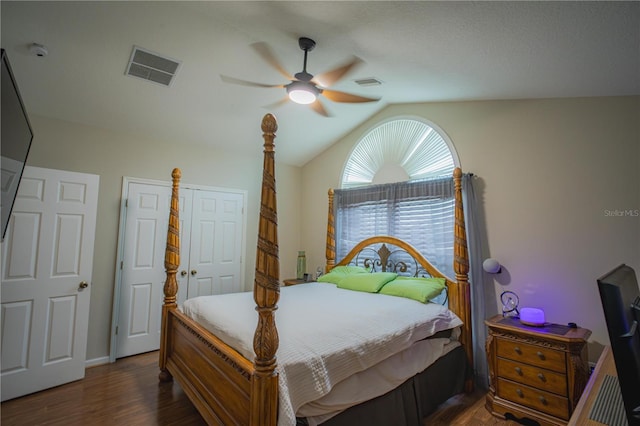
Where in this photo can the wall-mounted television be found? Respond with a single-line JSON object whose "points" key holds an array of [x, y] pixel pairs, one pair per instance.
{"points": [[620, 298], [16, 136]]}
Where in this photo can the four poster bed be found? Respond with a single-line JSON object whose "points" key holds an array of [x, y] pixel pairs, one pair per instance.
{"points": [[223, 353]]}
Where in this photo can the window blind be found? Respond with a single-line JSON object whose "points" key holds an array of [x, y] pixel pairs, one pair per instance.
{"points": [[419, 212]]}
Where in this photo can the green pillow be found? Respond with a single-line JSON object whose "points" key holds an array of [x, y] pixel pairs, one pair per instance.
{"points": [[370, 283], [339, 272], [420, 289], [349, 269]]}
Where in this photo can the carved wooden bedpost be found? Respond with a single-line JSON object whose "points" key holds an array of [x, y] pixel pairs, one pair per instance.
{"points": [[461, 268], [266, 292], [171, 263], [330, 251]]}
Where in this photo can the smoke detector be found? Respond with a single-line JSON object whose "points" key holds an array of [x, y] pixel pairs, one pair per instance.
{"points": [[38, 50]]}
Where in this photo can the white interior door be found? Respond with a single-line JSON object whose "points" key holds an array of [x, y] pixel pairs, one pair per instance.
{"points": [[142, 266], [228, 244], [216, 243], [46, 280], [185, 207], [210, 254]]}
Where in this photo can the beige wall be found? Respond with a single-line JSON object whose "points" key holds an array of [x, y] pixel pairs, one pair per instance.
{"points": [[68, 146], [548, 172]]}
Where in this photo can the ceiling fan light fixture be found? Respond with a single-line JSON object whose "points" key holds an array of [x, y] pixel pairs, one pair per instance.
{"points": [[302, 93], [301, 96]]}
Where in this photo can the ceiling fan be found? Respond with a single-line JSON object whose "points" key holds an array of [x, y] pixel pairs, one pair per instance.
{"points": [[305, 88]]}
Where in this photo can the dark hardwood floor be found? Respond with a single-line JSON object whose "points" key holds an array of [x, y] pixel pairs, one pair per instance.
{"points": [[128, 392]]}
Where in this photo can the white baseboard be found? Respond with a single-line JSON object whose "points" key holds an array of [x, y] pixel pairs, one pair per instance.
{"points": [[96, 361]]}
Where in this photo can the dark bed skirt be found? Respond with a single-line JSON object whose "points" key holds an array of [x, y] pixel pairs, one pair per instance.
{"points": [[413, 400]]}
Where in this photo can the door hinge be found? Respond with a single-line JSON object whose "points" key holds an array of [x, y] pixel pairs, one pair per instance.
{"points": [[126, 202], [116, 329], [121, 264]]}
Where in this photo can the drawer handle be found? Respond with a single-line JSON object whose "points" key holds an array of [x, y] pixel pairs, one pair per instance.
{"points": [[541, 377], [518, 350], [540, 355], [519, 392], [542, 400], [519, 370]]}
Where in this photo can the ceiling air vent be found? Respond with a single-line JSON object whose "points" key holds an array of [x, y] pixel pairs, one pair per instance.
{"points": [[151, 66], [371, 81]]}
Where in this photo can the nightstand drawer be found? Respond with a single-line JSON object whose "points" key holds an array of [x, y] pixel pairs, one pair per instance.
{"points": [[534, 376], [534, 398], [532, 354]]}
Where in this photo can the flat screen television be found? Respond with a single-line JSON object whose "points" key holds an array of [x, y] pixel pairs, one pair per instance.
{"points": [[620, 298], [16, 135]]}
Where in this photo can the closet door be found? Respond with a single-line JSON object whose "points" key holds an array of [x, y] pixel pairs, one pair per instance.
{"points": [[215, 254], [211, 239], [185, 207], [142, 268], [229, 244]]}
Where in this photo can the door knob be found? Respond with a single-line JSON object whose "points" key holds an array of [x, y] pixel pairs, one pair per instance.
{"points": [[82, 285], [183, 273], [194, 272]]}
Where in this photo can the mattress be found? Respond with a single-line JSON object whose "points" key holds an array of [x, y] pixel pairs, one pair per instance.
{"points": [[327, 335]]}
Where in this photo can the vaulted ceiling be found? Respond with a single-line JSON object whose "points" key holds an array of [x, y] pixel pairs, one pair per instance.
{"points": [[420, 51]]}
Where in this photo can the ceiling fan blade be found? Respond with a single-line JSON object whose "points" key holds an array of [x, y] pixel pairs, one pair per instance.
{"points": [[234, 80], [337, 96], [329, 78], [319, 108], [277, 104], [267, 54]]}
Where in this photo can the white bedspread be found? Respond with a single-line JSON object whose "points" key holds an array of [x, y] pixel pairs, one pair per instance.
{"points": [[326, 334], [377, 380]]}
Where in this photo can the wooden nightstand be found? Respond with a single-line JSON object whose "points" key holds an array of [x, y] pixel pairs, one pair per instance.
{"points": [[293, 281], [535, 372]]}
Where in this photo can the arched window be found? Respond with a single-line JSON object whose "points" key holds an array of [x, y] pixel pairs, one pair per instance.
{"points": [[397, 181], [399, 150]]}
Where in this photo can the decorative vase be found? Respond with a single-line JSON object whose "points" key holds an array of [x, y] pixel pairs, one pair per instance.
{"points": [[302, 265]]}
